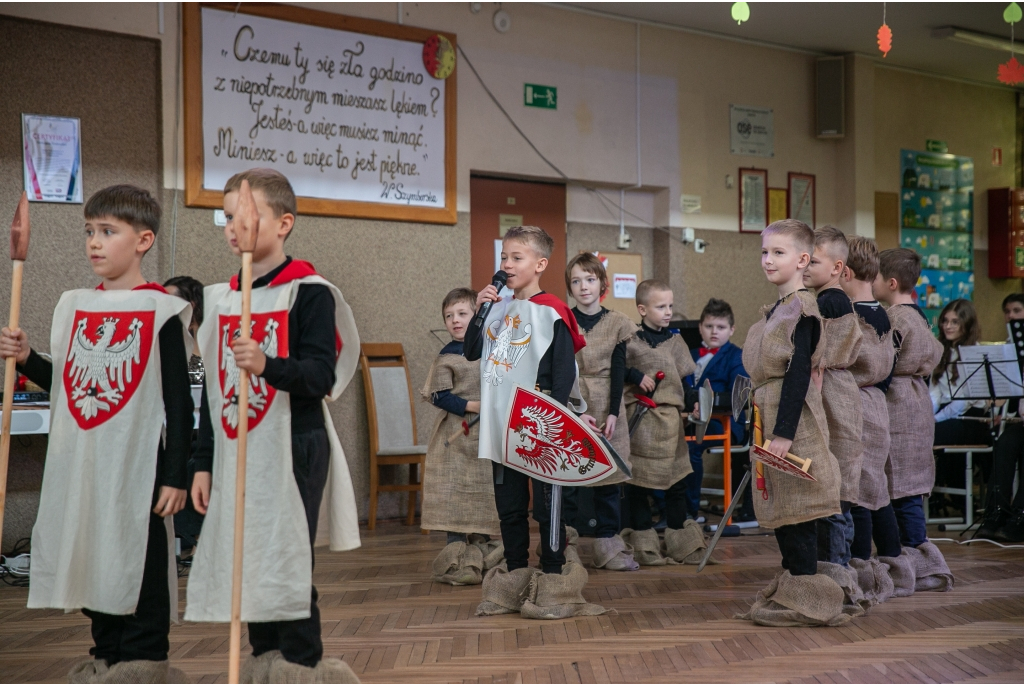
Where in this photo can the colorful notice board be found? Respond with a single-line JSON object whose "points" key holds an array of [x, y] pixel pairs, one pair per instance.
{"points": [[937, 222]]}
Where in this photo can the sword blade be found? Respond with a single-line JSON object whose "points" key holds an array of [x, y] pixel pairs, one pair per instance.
{"points": [[725, 517], [615, 456], [637, 415], [555, 532]]}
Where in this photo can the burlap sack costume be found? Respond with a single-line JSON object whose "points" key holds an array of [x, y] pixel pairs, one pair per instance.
{"points": [[458, 495], [841, 340], [911, 468], [791, 601], [873, 364], [873, 578], [658, 447], [595, 365], [766, 356], [138, 671]]}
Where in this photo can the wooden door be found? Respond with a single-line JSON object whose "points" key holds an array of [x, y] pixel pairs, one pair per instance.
{"points": [[499, 203]]}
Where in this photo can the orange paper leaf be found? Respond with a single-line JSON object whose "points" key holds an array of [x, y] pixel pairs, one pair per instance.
{"points": [[884, 39], [1012, 72]]}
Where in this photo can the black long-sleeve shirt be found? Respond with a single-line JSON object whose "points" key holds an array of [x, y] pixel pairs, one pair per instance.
{"points": [[446, 399], [618, 368], [833, 303], [876, 317], [798, 376], [654, 338], [306, 374], [173, 452], [556, 372]]}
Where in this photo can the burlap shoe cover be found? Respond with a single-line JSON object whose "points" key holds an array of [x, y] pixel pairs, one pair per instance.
{"points": [[139, 671], [646, 546], [493, 551], [256, 669], [902, 572], [686, 545], [873, 578], [854, 602], [459, 564], [932, 573], [572, 538], [791, 601], [88, 671], [613, 554], [552, 596], [327, 671], [504, 591]]}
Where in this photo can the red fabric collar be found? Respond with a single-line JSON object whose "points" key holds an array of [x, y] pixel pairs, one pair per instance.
{"points": [[708, 350], [145, 286], [547, 299], [293, 271]]}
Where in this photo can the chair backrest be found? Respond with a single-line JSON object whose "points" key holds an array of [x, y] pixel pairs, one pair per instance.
{"points": [[389, 398]]}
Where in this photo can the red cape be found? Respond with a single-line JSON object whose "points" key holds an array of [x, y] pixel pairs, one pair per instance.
{"points": [[295, 270], [145, 286], [547, 299]]}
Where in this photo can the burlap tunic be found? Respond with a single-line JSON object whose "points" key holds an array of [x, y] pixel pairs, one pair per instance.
{"points": [[911, 467], [458, 494], [595, 365], [873, 364], [658, 447], [766, 355], [841, 339]]}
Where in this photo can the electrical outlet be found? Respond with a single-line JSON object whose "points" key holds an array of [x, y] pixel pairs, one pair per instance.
{"points": [[699, 245], [624, 240]]}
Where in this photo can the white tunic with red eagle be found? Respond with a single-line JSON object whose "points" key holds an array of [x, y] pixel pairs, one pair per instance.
{"points": [[277, 563], [106, 422]]}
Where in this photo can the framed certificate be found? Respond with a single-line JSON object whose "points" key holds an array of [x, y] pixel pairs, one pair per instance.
{"points": [[801, 198], [52, 158], [778, 204], [753, 200]]}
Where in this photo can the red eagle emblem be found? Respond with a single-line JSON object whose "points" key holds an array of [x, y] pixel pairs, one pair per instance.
{"points": [[270, 330], [107, 356], [548, 442]]}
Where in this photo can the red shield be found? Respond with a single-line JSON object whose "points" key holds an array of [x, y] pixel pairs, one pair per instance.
{"points": [[547, 441], [270, 331], [107, 356]]}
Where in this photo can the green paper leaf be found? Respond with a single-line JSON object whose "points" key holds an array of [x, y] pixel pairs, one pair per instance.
{"points": [[1011, 14], [741, 11]]}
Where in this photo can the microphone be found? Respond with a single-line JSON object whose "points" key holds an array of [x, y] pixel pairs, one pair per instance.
{"points": [[498, 281]]}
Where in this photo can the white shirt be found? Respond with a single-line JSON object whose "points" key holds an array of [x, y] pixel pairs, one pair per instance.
{"points": [[943, 405]]}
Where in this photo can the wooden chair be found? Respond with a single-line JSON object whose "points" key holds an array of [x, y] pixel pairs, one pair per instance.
{"points": [[392, 419]]}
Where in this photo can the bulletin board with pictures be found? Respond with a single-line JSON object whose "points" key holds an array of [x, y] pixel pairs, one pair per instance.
{"points": [[937, 222]]}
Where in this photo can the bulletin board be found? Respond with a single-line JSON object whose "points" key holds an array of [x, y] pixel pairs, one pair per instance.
{"points": [[344, 107], [623, 264]]}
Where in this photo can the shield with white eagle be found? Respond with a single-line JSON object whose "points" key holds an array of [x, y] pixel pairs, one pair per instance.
{"points": [[270, 331], [548, 442], [107, 356]]}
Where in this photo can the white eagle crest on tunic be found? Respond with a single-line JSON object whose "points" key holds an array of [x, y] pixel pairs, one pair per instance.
{"points": [[98, 371], [504, 350], [232, 375]]}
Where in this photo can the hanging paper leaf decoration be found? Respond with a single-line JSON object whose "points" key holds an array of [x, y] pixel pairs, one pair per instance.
{"points": [[885, 39], [1011, 73], [1012, 14], [740, 12]]}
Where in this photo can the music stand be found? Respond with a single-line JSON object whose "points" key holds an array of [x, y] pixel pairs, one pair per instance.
{"points": [[988, 372]]}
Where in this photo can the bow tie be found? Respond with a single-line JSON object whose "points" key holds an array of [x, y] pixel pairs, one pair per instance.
{"points": [[708, 350]]}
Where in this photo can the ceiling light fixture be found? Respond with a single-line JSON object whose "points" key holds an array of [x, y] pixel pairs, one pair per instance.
{"points": [[980, 40]]}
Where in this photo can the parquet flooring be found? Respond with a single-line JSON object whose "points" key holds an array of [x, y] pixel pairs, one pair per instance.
{"points": [[391, 624]]}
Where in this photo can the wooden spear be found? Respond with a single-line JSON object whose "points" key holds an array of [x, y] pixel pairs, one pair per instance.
{"points": [[19, 251], [246, 223]]}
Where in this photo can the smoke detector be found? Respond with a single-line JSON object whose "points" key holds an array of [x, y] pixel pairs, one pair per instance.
{"points": [[502, 21]]}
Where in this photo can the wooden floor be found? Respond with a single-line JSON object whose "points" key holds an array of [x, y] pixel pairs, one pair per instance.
{"points": [[391, 624]]}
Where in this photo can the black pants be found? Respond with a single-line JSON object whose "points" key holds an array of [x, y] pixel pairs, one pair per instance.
{"points": [[1007, 459], [879, 526], [142, 635], [299, 640], [607, 509], [799, 546], [640, 517], [512, 500]]}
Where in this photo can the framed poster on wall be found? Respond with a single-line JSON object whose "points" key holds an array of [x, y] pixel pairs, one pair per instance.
{"points": [[801, 198], [358, 114], [778, 204], [753, 200]]}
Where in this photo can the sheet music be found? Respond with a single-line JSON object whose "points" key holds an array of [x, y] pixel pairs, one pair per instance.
{"points": [[973, 383]]}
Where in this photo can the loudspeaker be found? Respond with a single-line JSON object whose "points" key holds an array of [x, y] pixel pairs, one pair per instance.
{"points": [[830, 97]]}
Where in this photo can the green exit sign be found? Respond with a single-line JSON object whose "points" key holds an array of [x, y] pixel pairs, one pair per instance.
{"points": [[936, 146], [545, 97]]}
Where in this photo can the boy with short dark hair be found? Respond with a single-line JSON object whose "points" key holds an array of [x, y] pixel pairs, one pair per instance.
{"points": [[458, 496], [911, 471], [303, 350], [780, 353], [543, 327], [718, 361], [1013, 307], [121, 422], [661, 458], [841, 339]]}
